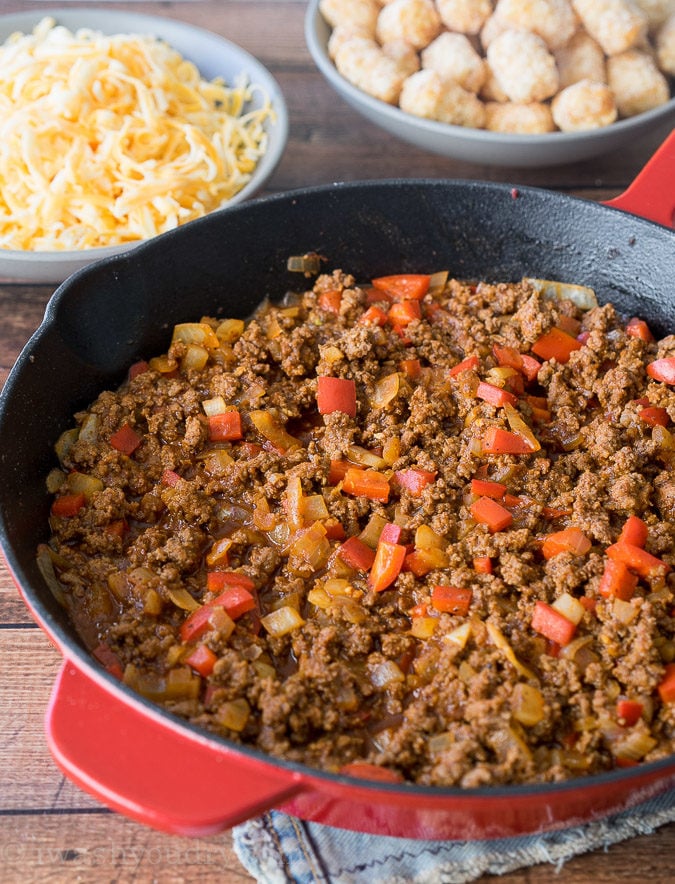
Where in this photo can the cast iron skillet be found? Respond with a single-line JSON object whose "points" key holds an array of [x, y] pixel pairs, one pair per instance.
{"points": [[127, 752]]}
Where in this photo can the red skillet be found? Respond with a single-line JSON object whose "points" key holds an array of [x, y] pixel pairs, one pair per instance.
{"points": [[128, 753]]}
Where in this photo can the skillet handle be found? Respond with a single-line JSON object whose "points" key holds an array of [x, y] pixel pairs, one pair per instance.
{"points": [[136, 763], [652, 195]]}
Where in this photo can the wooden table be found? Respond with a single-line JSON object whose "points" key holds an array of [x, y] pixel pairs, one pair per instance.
{"points": [[51, 831]]}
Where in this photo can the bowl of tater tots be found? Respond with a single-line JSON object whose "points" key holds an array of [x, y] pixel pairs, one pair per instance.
{"points": [[502, 82]]}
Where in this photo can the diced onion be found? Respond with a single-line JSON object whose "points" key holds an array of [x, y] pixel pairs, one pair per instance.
{"points": [[569, 607], [581, 295], [527, 704], [182, 599], [625, 612], [459, 636], [500, 641], [214, 406], [282, 621], [234, 714], [423, 627], [230, 330], [386, 390], [386, 673], [365, 458]]}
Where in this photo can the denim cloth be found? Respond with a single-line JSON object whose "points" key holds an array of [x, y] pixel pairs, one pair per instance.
{"points": [[280, 849]]}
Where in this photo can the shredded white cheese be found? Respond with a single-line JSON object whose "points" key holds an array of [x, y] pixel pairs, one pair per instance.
{"points": [[112, 139]]}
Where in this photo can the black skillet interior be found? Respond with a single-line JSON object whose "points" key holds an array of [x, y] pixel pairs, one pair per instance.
{"points": [[117, 311]]}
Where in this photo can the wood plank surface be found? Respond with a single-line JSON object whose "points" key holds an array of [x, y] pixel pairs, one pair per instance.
{"points": [[50, 831]]}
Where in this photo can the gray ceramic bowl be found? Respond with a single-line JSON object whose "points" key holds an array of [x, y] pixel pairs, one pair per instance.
{"points": [[477, 145], [214, 56]]}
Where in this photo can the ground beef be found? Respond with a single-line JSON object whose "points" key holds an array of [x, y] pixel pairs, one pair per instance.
{"points": [[219, 539]]}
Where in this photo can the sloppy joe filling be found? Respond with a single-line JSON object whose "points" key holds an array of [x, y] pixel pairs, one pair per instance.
{"points": [[416, 529]]}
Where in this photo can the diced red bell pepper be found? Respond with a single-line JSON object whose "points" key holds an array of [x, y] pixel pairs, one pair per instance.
{"points": [[654, 415], [569, 324], [414, 480], [498, 441], [126, 440], [218, 580], [468, 364], [402, 313], [336, 394], [482, 565], [68, 505], [357, 554], [117, 528], [225, 427], [556, 344], [202, 660], [617, 581], [451, 599], [628, 712], [403, 286], [170, 478], [495, 395], [330, 300], [638, 328], [389, 558], [196, 624], [638, 560], [335, 530], [338, 470], [508, 356], [391, 533], [411, 367], [550, 623], [488, 512], [634, 531], [236, 600], [366, 771], [488, 488], [662, 370], [137, 368], [666, 686], [531, 367], [105, 655], [366, 483], [373, 315], [572, 540]]}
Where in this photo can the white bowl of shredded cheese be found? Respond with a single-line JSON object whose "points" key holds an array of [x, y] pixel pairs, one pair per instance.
{"points": [[117, 127]]}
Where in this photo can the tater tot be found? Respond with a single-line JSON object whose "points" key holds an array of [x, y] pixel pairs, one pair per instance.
{"points": [[617, 25], [584, 105], [581, 59], [341, 34], [522, 119], [491, 90], [656, 11], [464, 16], [665, 46], [404, 55], [553, 20], [362, 62], [492, 28], [415, 21], [638, 85], [427, 94], [453, 57], [523, 66], [357, 13]]}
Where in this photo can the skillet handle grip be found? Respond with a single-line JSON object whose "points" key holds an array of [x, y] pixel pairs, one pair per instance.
{"points": [[652, 195], [136, 763]]}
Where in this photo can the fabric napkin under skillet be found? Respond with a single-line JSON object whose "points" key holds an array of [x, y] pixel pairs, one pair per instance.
{"points": [[279, 849]]}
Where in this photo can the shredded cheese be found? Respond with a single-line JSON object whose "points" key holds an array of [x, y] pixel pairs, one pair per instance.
{"points": [[111, 139]]}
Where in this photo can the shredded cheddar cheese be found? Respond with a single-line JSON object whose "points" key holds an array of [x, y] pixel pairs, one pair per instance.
{"points": [[110, 139]]}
